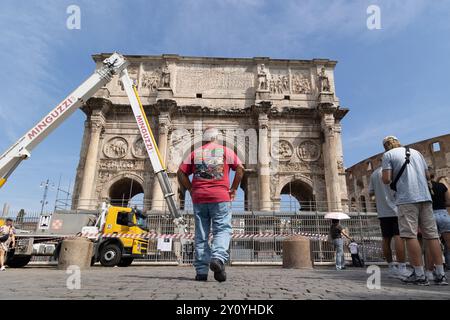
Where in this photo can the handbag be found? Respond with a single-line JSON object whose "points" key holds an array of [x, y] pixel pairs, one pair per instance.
{"points": [[4, 238], [329, 238]]}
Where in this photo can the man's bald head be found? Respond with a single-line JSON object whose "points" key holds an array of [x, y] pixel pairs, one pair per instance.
{"points": [[210, 134]]}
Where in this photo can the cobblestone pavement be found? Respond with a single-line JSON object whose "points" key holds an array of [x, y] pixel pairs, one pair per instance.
{"points": [[172, 282]]}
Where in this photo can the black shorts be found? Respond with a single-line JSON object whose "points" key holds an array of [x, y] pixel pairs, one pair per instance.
{"points": [[389, 227]]}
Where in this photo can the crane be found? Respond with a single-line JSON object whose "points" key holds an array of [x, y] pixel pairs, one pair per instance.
{"points": [[116, 64]]}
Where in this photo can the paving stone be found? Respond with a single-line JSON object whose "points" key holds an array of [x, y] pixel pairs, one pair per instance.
{"points": [[249, 283]]}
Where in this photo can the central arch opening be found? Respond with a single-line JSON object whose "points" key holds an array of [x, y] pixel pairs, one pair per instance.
{"points": [[297, 195], [126, 192]]}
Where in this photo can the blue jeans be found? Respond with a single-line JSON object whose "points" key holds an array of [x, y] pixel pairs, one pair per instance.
{"points": [[442, 220], [339, 247], [443, 224], [215, 217]]}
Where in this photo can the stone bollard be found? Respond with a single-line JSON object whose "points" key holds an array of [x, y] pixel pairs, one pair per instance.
{"points": [[297, 253], [76, 251]]}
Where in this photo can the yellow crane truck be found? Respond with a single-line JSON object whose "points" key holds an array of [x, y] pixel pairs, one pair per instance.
{"points": [[103, 228]]}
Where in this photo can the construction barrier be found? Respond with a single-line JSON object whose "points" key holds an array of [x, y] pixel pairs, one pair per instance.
{"points": [[257, 236], [191, 235]]}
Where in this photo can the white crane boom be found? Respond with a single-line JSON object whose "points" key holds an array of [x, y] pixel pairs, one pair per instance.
{"points": [[152, 147], [114, 65], [22, 148]]}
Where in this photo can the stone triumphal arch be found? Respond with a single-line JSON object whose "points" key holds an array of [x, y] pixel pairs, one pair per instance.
{"points": [[282, 117]]}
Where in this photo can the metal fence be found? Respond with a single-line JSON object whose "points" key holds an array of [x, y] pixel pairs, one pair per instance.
{"points": [[363, 227]]}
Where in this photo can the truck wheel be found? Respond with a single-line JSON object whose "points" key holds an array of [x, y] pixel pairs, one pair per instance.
{"points": [[125, 262], [18, 261], [56, 252], [110, 255]]}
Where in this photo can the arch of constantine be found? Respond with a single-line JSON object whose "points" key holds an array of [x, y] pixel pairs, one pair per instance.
{"points": [[282, 117]]}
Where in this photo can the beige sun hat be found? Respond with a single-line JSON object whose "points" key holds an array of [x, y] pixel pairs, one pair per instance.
{"points": [[389, 138]]}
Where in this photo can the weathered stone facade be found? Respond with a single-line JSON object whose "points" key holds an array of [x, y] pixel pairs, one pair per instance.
{"points": [[282, 117], [436, 152]]}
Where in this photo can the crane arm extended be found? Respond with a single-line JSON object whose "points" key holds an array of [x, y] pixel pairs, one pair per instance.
{"points": [[152, 148], [114, 65], [22, 148]]}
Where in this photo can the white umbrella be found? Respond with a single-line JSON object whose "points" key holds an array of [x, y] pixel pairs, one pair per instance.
{"points": [[336, 215]]}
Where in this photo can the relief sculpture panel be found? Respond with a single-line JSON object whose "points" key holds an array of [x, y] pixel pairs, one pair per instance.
{"points": [[308, 151], [282, 150], [300, 83], [116, 148], [138, 149]]}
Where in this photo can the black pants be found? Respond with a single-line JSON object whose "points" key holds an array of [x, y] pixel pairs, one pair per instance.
{"points": [[356, 260]]}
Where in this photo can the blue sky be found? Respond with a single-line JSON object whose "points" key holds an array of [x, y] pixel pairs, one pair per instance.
{"points": [[394, 80]]}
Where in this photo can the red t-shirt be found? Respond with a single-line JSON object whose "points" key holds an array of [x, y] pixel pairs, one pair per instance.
{"points": [[210, 165]]}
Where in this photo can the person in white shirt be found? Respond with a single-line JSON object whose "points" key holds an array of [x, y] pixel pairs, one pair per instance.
{"points": [[387, 215], [406, 172], [354, 251]]}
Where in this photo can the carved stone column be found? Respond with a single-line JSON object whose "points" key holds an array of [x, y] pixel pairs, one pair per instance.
{"points": [[330, 156], [96, 125], [341, 169], [263, 159]]}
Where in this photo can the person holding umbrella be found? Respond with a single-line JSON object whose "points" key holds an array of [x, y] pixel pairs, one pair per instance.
{"points": [[335, 235]]}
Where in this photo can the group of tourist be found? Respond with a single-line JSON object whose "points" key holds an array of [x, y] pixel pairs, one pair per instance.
{"points": [[412, 209], [405, 198]]}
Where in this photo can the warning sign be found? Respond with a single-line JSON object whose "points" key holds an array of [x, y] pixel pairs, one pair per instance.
{"points": [[44, 221]]}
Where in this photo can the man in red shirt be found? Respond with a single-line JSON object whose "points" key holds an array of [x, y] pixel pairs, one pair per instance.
{"points": [[211, 195]]}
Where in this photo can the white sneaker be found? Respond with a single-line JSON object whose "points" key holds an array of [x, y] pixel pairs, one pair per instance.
{"points": [[394, 273], [430, 275], [2, 268], [404, 272]]}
